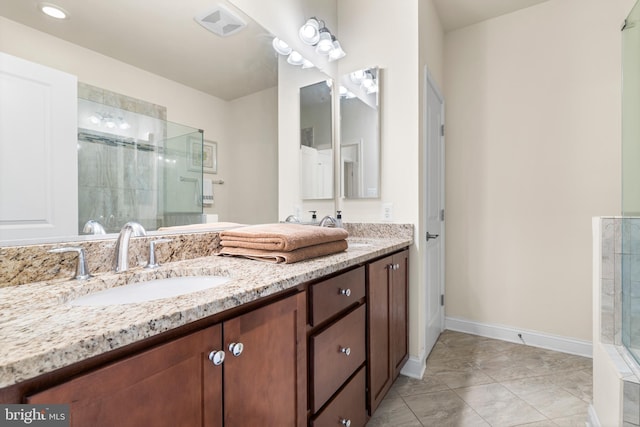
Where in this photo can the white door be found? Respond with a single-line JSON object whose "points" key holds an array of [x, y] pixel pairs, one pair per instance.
{"points": [[38, 150], [434, 205]]}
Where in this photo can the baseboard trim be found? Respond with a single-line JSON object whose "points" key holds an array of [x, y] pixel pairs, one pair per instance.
{"points": [[521, 336], [414, 367], [592, 418]]}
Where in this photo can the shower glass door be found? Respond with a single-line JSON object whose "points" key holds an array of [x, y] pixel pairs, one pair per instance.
{"points": [[631, 183]]}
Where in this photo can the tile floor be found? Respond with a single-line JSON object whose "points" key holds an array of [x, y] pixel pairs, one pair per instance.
{"points": [[477, 381]]}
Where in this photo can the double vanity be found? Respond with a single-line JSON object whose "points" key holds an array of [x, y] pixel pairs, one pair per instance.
{"points": [[314, 343]]}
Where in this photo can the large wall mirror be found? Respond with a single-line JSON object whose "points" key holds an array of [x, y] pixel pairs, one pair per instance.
{"points": [[360, 134], [316, 141], [240, 70]]}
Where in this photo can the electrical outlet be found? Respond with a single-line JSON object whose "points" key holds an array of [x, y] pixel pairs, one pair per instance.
{"points": [[387, 211]]}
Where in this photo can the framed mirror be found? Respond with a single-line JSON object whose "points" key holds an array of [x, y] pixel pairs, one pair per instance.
{"points": [[316, 141], [360, 134]]}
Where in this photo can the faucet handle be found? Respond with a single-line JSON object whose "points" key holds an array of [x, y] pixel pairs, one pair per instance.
{"points": [[152, 252], [82, 271]]}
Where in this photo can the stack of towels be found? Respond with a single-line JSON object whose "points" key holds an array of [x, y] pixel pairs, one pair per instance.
{"points": [[282, 242]]}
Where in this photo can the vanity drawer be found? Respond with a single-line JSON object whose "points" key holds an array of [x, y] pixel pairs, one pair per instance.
{"points": [[334, 295], [348, 406], [336, 353]]}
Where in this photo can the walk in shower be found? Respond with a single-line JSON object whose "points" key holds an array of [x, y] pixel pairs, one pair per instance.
{"points": [[630, 224], [134, 165]]}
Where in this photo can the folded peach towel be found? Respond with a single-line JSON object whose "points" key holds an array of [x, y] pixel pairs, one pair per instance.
{"points": [[280, 237], [289, 257]]}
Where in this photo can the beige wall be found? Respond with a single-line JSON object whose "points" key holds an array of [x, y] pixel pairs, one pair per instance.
{"points": [[533, 152], [184, 105]]}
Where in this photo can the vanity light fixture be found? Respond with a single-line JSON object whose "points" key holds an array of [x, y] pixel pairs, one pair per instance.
{"points": [[314, 32], [281, 46], [336, 52], [310, 32], [295, 58], [109, 121], [53, 11], [325, 45]]}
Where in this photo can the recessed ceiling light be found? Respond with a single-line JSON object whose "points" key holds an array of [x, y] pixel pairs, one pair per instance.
{"points": [[53, 11]]}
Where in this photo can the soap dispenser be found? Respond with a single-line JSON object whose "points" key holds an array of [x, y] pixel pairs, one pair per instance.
{"points": [[339, 219], [314, 217]]}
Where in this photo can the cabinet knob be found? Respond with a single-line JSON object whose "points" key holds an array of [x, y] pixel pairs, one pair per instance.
{"points": [[345, 422], [216, 357], [345, 350], [396, 267], [236, 348], [345, 292]]}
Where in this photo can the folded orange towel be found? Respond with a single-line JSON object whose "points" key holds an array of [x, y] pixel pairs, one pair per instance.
{"points": [[287, 257], [280, 237]]}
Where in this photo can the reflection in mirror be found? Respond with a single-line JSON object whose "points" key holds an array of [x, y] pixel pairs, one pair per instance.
{"points": [[135, 166], [360, 134], [316, 142], [239, 86]]}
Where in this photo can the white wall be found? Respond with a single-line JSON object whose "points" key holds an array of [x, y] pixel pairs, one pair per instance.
{"points": [[533, 152], [185, 105], [252, 179]]}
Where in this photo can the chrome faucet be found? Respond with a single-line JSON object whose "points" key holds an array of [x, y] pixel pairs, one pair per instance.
{"points": [[328, 221], [292, 218], [93, 227], [82, 270], [121, 253]]}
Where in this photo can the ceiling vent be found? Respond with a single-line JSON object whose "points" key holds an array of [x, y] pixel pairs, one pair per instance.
{"points": [[221, 21]]}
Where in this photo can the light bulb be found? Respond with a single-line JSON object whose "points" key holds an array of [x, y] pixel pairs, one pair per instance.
{"points": [[295, 58], [307, 64], [281, 46], [310, 32], [324, 45], [337, 52], [358, 76]]}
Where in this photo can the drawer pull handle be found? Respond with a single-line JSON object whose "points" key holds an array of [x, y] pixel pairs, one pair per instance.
{"points": [[236, 348], [216, 357], [345, 292], [345, 422], [345, 350]]}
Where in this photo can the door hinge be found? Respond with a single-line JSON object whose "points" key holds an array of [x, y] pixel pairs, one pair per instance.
{"points": [[442, 300], [441, 214], [441, 130]]}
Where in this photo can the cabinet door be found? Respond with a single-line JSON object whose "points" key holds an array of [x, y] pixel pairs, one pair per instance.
{"points": [[378, 299], [399, 312], [171, 385], [265, 385]]}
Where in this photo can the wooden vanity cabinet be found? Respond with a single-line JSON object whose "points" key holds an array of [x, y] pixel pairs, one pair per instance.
{"points": [[175, 384], [387, 291], [337, 350]]}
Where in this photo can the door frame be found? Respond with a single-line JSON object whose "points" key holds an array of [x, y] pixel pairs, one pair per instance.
{"points": [[429, 82]]}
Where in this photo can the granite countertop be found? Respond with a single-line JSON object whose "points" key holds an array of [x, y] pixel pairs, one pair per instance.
{"points": [[41, 332]]}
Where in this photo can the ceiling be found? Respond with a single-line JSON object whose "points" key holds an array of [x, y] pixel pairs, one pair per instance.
{"points": [[456, 14], [162, 37]]}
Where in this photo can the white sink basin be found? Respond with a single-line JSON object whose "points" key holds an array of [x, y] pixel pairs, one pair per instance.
{"points": [[151, 290]]}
